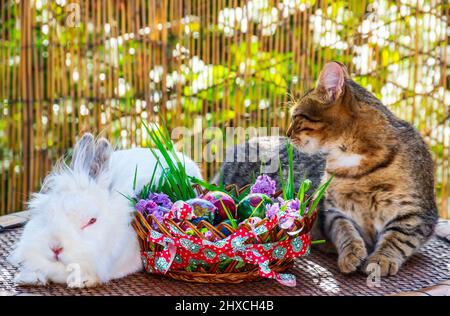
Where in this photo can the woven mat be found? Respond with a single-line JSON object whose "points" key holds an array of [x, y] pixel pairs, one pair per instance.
{"points": [[316, 275]]}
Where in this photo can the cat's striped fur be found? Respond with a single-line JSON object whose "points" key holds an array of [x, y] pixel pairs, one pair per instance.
{"points": [[380, 207]]}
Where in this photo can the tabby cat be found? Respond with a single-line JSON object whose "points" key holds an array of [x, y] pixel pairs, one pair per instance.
{"points": [[380, 207]]}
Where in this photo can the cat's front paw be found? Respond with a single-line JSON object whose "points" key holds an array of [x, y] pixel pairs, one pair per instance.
{"points": [[352, 257], [30, 278], [385, 265]]}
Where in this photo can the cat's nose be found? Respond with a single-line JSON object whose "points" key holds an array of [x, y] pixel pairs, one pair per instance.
{"points": [[289, 131]]}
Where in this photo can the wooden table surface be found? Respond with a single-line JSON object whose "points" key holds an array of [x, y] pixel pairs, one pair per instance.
{"points": [[442, 231]]}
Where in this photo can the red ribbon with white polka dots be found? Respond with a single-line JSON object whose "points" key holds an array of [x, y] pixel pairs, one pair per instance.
{"points": [[183, 250]]}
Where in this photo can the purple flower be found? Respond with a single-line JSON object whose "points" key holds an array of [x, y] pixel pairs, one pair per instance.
{"points": [[293, 205], [272, 210], [151, 207], [140, 206], [287, 222], [265, 185], [292, 208], [159, 216], [146, 207], [161, 199]]}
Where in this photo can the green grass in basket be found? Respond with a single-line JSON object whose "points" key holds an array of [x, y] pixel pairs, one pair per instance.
{"points": [[288, 186], [174, 181], [229, 215]]}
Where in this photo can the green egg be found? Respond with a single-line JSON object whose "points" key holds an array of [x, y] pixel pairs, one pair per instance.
{"points": [[253, 204]]}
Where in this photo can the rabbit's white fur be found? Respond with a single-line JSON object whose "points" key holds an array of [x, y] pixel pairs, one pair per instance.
{"points": [[91, 187]]}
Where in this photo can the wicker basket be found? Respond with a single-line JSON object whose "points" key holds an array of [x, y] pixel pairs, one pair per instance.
{"points": [[232, 273]]}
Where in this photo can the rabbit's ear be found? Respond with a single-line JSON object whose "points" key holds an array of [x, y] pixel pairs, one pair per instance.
{"points": [[100, 163], [83, 154]]}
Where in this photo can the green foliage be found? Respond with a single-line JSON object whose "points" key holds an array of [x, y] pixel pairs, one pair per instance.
{"points": [[288, 187], [174, 181], [318, 194]]}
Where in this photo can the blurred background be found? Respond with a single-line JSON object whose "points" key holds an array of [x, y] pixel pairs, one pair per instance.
{"points": [[69, 66]]}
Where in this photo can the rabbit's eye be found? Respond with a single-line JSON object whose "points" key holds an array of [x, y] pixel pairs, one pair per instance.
{"points": [[91, 222]]}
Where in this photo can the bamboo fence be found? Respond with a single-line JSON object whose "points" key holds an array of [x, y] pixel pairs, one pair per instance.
{"points": [[70, 66]]}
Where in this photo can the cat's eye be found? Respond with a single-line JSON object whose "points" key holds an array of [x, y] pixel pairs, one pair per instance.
{"points": [[308, 118], [92, 221]]}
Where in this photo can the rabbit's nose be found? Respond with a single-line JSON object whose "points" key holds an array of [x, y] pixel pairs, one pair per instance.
{"points": [[57, 251]]}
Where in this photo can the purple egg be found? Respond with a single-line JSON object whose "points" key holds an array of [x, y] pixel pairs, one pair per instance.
{"points": [[221, 199]]}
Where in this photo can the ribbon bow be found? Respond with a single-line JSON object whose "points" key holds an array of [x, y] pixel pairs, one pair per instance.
{"points": [[183, 250]]}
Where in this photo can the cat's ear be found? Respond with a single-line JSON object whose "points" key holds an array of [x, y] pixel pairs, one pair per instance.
{"points": [[331, 80]]}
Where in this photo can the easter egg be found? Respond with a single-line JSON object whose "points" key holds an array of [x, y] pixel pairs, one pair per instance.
{"points": [[203, 210], [253, 204], [189, 232], [221, 199], [181, 211]]}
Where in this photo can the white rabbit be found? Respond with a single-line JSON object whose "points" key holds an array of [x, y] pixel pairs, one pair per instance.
{"points": [[79, 233]]}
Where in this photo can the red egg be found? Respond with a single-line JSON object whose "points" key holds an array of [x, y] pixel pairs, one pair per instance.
{"points": [[221, 199]]}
